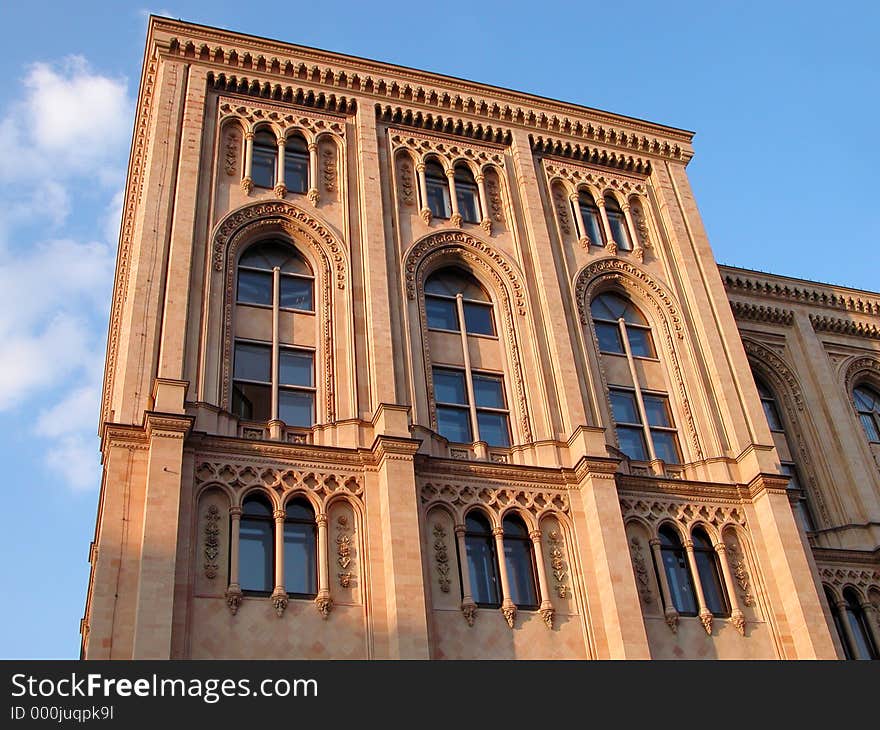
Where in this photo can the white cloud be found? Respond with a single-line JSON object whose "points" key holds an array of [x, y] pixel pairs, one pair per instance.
{"points": [[76, 413], [75, 458]]}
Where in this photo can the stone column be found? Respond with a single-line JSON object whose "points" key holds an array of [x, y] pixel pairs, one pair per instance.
{"points": [[579, 223], [485, 220], [233, 592], [610, 243], [669, 611], [871, 618], [425, 210], [508, 608], [313, 173], [279, 594], [455, 219], [736, 615], [323, 601], [247, 182], [633, 234], [468, 607], [705, 614], [280, 184], [546, 609]]}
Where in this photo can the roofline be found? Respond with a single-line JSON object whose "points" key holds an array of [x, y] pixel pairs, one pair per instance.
{"points": [[769, 275], [685, 135]]}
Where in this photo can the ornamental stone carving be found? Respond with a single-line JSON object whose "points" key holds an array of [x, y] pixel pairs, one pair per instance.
{"points": [[602, 181], [451, 150], [643, 580], [441, 557], [495, 498], [280, 118], [230, 153], [212, 541]]}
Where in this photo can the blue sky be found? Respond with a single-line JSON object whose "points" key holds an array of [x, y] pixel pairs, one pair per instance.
{"points": [[783, 96]]}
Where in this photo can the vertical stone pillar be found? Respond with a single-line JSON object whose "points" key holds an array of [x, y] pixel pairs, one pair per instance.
{"points": [[546, 609], [425, 210], [313, 173], [612, 593], [485, 220], [704, 613], [737, 618], [455, 219], [247, 180], [670, 613], [155, 591], [280, 182], [468, 607], [508, 608], [323, 601]]}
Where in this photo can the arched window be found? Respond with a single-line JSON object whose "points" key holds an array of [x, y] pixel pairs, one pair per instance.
{"points": [[264, 159], [520, 561], [617, 223], [643, 419], [607, 310], [854, 615], [263, 390], [437, 188], [296, 164], [255, 551], [867, 403], [442, 290], [838, 622], [467, 195], [768, 401], [678, 574], [710, 574], [590, 217], [481, 560], [300, 549]]}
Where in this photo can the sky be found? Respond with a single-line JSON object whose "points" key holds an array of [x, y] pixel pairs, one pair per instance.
{"points": [[783, 97]]}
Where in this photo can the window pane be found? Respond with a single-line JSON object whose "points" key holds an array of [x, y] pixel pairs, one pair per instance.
{"points": [[518, 556], [296, 171], [466, 197], [666, 446], [449, 386], [590, 216], [450, 282], [442, 313], [493, 428], [299, 559], [623, 407], [296, 368], [791, 470], [679, 579], [296, 407], [454, 424], [710, 582], [296, 293], [254, 287], [481, 566], [640, 342], [252, 362], [772, 414], [619, 231], [632, 442], [255, 555], [263, 167], [488, 392], [869, 426], [609, 337], [657, 410], [252, 402], [438, 198], [864, 399], [478, 319]]}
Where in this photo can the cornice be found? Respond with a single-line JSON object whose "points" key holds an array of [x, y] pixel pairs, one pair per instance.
{"points": [[823, 323], [744, 281], [270, 60], [606, 156], [635, 486], [835, 558], [760, 313], [252, 449]]}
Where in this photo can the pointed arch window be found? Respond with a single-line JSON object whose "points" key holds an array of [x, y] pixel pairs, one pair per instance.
{"points": [[467, 195], [617, 223], [859, 635], [520, 561], [300, 549], [296, 164], [437, 189], [591, 218], [481, 560], [710, 574], [265, 159], [256, 563], [867, 403], [678, 574]]}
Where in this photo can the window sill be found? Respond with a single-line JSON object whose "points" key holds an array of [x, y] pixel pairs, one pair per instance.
{"points": [[310, 312], [458, 332]]}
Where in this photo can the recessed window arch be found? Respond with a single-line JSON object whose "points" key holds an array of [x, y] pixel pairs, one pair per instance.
{"points": [[300, 549], [709, 572], [256, 544], [273, 380], [859, 635], [482, 560], [437, 190], [443, 287], [467, 194], [591, 218], [520, 561], [678, 574], [617, 223], [867, 403], [608, 308], [264, 159], [296, 164]]}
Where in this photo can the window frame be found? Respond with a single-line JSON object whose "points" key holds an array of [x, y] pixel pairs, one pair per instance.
{"points": [[525, 543], [258, 149], [306, 277], [471, 191], [257, 494], [489, 536], [873, 415], [300, 156], [488, 303], [434, 182], [680, 554], [647, 428], [475, 373], [626, 325], [313, 524]]}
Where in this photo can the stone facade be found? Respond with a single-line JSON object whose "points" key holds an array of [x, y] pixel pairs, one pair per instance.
{"points": [[547, 207]]}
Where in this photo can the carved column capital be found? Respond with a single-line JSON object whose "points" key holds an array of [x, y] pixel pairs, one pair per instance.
{"points": [[460, 530], [279, 602], [498, 531], [574, 197], [739, 621], [479, 178], [321, 519], [706, 620], [282, 141], [279, 515], [249, 136], [509, 611], [235, 511], [600, 202], [247, 185], [720, 547], [450, 173], [312, 146], [233, 597], [654, 542], [420, 167], [535, 535], [469, 611]]}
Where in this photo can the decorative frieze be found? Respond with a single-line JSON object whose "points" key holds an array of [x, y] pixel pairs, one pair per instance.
{"points": [[495, 498], [449, 149], [282, 118], [760, 313], [685, 513], [836, 325], [600, 180]]}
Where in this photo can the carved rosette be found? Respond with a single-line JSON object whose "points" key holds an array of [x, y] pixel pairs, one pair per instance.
{"points": [[441, 557], [212, 541]]}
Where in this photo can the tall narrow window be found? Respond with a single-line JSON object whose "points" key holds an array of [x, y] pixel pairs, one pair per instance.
{"points": [[632, 431], [255, 552], [437, 188], [678, 574], [300, 549], [453, 407], [838, 622], [264, 160], [617, 223], [467, 195], [591, 219], [296, 284], [482, 561], [710, 574], [520, 562], [768, 401], [296, 164], [867, 403], [854, 615]]}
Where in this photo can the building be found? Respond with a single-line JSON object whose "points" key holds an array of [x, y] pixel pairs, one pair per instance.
{"points": [[373, 328]]}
